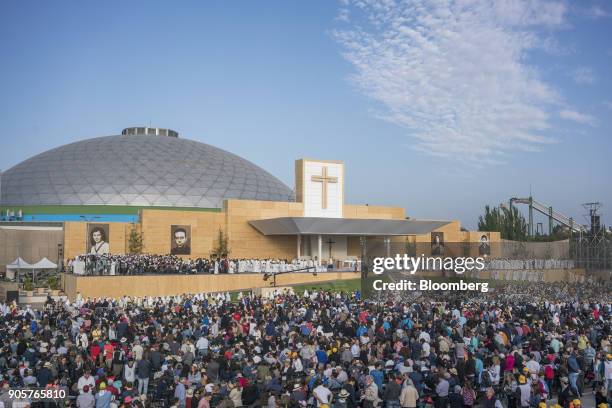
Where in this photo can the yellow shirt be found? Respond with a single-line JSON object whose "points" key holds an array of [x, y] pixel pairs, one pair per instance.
{"points": [[96, 334], [582, 342]]}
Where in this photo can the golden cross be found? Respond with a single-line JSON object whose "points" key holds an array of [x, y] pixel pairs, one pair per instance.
{"points": [[324, 179]]}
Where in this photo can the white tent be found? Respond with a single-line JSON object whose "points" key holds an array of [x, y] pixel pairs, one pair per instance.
{"points": [[19, 263], [44, 264], [16, 265]]}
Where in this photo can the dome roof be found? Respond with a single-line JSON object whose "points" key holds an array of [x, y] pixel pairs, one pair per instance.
{"points": [[138, 170]]}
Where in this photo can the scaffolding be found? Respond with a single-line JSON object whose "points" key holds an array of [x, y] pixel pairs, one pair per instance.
{"points": [[550, 213], [591, 248]]}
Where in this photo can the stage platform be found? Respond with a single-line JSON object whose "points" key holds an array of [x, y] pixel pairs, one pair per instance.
{"points": [[165, 285]]}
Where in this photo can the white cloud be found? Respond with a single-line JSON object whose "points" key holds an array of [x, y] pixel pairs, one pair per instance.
{"points": [[552, 46], [577, 117], [343, 15], [453, 72], [596, 11], [583, 75]]}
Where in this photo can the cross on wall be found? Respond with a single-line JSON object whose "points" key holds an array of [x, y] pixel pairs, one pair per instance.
{"points": [[324, 179]]}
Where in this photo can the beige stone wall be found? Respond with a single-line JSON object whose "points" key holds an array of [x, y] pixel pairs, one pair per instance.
{"points": [[205, 225], [458, 242], [474, 236], [75, 237], [30, 244], [164, 285], [373, 212], [452, 233], [246, 241]]}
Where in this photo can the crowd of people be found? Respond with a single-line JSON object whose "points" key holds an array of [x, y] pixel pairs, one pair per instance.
{"points": [[525, 346], [529, 264], [142, 264]]}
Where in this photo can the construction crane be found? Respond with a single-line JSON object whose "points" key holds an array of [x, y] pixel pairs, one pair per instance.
{"points": [[550, 213]]}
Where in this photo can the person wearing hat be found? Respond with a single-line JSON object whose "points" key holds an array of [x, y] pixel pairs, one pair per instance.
{"points": [[576, 403], [455, 399], [235, 394], [45, 375], [524, 391], [343, 399], [298, 395], [103, 396], [345, 355], [565, 393], [409, 395], [85, 399]]}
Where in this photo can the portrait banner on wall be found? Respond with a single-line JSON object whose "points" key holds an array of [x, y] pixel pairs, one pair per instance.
{"points": [[180, 239], [97, 239], [437, 243], [484, 246]]}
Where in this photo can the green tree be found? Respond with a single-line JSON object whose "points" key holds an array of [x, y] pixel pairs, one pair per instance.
{"points": [[53, 282], [221, 247], [27, 284], [135, 241], [509, 223]]}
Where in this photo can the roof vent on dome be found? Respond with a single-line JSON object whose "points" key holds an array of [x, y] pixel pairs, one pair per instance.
{"points": [[149, 131]]}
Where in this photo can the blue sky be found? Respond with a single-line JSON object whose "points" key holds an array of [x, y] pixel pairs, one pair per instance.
{"points": [[440, 107]]}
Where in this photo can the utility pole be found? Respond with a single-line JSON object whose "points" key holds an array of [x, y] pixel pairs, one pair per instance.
{"points": [[530, 214]]}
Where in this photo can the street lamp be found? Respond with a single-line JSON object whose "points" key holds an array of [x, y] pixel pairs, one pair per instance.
{"points": [[60, 257]]}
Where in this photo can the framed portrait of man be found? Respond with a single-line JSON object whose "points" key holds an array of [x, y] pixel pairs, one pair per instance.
{"points": [[484, 245], [180, 239], [437, 243], [97, 239]]}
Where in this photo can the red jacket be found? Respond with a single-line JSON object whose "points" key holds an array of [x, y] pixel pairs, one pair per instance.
{"points": [[509, 362]]}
